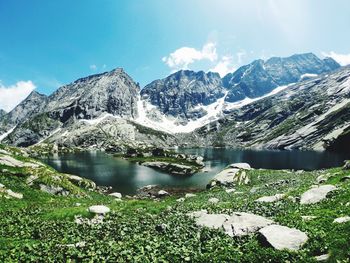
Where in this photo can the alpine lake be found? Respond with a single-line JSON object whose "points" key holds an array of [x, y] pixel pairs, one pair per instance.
{"points": [[126, 177]]}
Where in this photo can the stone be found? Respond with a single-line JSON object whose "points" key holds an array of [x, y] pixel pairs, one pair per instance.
{"points": [[282, 237], [323, 257], [161, 227], [116, 195], [322, 178], [99, 209], [189, 195], [308, 218], [213, 200], [230, 176], [51, 189], [2, 186], [270, 199], [181, 199], [254, 190], [316, 194], [10, 193], [10, 161], [341, 220], [162, 193], [237, 224], [244, 166], [231, 190], [241, 224], [347, 165]]}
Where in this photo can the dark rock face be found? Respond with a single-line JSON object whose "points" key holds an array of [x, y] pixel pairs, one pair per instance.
{"points": [[180, 92], [2, 113], [261, 77]]}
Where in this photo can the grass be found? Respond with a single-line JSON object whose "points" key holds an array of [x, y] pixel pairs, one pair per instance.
{"points": [[39, 227]]}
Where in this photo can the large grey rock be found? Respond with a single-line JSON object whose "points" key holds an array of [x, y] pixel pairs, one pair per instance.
{"points": [[116, 195], [10, 193], [316, 194], [282, 237], [237, 224], [54, 190], [230, 176]]}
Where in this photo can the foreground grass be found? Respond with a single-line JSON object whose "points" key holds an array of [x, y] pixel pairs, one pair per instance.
{"points": [[41, 227]]}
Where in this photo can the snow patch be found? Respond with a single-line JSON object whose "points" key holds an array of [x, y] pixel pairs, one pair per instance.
{"points": [[99, 119], [3, 136], [308, 75]]}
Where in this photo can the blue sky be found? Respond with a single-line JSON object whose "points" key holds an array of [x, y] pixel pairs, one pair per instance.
{"points": [[45, 44]]}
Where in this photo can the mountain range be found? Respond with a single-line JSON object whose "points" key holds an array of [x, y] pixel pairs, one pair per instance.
{"points": [[300, 101]]}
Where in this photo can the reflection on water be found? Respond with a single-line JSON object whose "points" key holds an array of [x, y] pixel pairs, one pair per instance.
{"points": [[126, 177]]}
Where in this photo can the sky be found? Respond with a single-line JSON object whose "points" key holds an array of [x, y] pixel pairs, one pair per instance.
{"points": [[46, 44]]}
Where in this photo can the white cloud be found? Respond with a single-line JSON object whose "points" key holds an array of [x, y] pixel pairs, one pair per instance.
{"points": [[93, 67], [184, 56], [342, 59], [224, 66], [12, 95]]}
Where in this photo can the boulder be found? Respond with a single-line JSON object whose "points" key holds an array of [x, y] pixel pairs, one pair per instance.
{"points": [[345, 178], [308, 218], [244, 166], [270, 199], [162, 193], [230, 176], [341, 220], [237, 224], [282, 237], [99, 209], [316, 194], [189, 195], [321, 258], [116, 195], [51, 189], [347, 165]]}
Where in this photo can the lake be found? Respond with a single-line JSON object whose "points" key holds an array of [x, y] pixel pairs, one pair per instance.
{"points": [[126, 177]]}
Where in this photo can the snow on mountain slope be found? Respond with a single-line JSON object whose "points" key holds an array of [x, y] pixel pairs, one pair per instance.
{"points": [[150, 116]]}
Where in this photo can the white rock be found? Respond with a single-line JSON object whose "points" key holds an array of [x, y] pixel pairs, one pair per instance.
{"points": [[341, 220], [270, 199], [308, 218], [231, 190], [282, 237], [237, 224], [116, 195], [323, 257], [213, 200], [316, 194], [99, 209], [244, 166], [162, 193], [189, 195], [2, 186], [181, 199], [14, 194], [10, 161]]}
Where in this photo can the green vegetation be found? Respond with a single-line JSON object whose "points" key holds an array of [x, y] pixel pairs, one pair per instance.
{"points": [[41, 227]]}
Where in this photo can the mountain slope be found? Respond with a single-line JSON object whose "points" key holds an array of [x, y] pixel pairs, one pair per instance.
{"points": [[261, 77], [310, 114]]}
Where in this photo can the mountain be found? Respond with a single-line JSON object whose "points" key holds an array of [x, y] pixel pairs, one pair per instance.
{"points": [[180, 93], [250, 107], [261, 77], [313, 114], [95, 110]]}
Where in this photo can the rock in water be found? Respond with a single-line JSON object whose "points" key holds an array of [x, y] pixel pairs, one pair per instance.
{"points": [[99, 209], [282, 237], [316, 194]]}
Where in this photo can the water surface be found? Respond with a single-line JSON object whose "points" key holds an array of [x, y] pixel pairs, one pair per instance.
{"points": [[127, 177]]}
